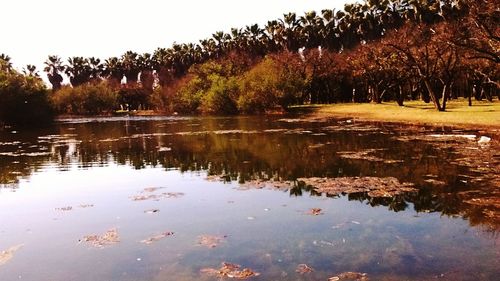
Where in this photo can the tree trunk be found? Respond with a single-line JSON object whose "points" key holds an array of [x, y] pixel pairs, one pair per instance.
{"points": [[400, 96], [432, 95], [446, 94]]}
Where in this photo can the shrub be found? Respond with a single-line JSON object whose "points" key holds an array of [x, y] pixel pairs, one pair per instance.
{"points": [[188, 97], [85, 99], [133, 97], [269, 84], [23, 100], [221, 97]]}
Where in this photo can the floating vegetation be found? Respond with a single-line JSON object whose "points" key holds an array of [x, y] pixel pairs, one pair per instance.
{"points": [[322, 243], [230, 270], [152, 189], [210, 241], [69, 208], [86, 205], [315, 212], [345, 224], [366, 155], [145, 194], [157, 197], [110, 237], [269, 184], [350, 276], [8, 254], [304, 268], [375, 187], [156, 238], [435, 182]]}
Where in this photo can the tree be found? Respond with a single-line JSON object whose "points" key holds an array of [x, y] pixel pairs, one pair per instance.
{"points": [[96, 69], [53, 67], [426, 51], [130, 66], [146, 65], [30, 70], [5, 64], [23, 98], [78, 70], [113, 71]]}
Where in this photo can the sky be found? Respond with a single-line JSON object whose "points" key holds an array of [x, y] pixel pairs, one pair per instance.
{"points": [[34, 29]]}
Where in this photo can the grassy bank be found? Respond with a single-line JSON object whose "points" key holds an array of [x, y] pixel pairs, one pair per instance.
{"points": [[485, 115]]}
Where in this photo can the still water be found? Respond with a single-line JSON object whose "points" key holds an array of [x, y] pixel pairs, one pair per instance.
{"points": [[164, 198]]}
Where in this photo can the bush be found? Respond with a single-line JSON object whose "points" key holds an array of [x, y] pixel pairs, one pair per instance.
{"points": [[221, 96], [212, 88], [85, 99], [133, 97], [226, 87], [270, 84], [188, 97], [23, 100]]}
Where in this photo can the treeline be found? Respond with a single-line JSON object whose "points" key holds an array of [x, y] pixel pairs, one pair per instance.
{"points": [[379, 50]]}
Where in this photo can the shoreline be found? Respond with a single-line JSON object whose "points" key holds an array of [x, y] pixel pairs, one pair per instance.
{"points": [[483, 116]]}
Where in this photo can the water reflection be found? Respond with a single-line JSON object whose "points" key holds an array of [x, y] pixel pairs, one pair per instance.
{"points": [[250, 148]]}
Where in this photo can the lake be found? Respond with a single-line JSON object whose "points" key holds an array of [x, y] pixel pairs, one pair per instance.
{"points": [[263, 198]]}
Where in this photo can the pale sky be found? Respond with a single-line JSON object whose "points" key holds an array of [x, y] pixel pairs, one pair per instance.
{"points": [[34, 29]]}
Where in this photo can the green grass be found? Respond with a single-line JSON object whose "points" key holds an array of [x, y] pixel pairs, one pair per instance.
{"points": [[458, 113]]}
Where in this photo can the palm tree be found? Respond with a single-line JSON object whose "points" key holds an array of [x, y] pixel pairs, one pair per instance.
{"points": [[291, 38], [113, 70], [145, 62], [131, 68], [96, 69], [254, 43], [78, 71], [209, 47], [162, 66], [274, 33], [5, 64], [311, 30], [30, 70], [53, 67], [330, 32]]}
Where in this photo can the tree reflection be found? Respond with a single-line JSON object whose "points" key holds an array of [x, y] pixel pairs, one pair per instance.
{"points": [[239, 150]]}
